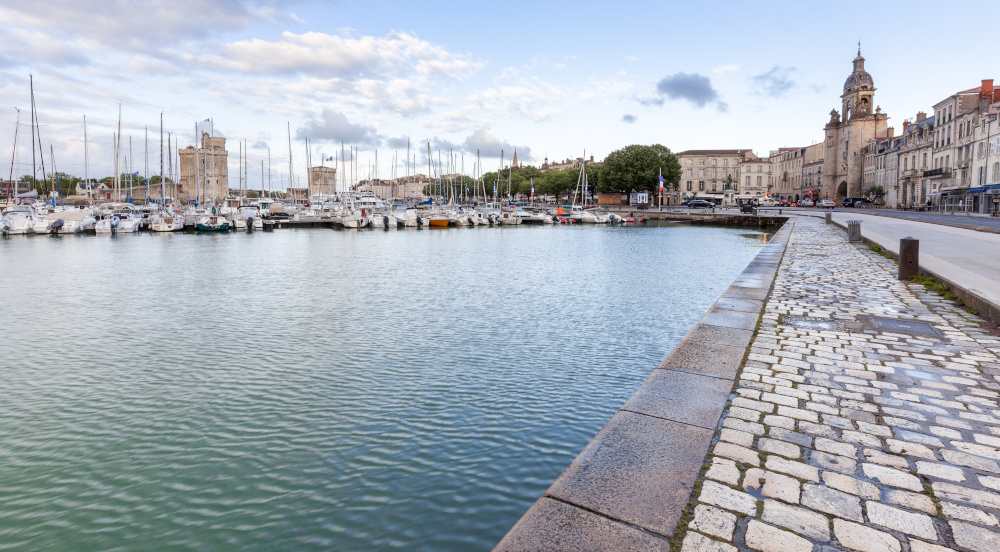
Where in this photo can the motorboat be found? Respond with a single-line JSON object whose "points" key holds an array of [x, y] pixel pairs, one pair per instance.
{"points": [[123, 219], [212, 223], [16, 220], [166, 221]]}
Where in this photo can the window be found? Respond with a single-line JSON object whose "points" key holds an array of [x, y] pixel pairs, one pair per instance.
{"points": [[713, 185], [701, 172], [759, 181], [925, 161], [701, 162], [725, 162], [996, 171], [689, 185], [748, 182], [715, 162], [689, 173], [715, 173], [701, 185], [759, 168]]}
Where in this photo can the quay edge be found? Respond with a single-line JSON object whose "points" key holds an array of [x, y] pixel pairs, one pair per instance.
{"points": [[629, 486]]}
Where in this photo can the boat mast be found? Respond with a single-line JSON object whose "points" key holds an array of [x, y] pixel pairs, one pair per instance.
{"points": [[118, 148], [163, 186], [86, 161], [34, 170], [13, 155], [197, 180], [291, 185]]}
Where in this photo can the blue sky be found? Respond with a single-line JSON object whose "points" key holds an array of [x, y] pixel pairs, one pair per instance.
{"points": [[551, 79]]}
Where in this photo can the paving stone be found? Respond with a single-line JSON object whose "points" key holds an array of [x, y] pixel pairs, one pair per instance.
{"points": [[831, 501], [851, 485], [800, 439], [910, 449], [779, 421], [738, 453], [969, 461], [907, 499], [776, 485], [695, 542], [787, 450], [941, 471], [918, 525], [835, 447], [766, 538], [864, 539], [736, 437], [966, 496], [989, 482], [892, 477], [921, 546], [914, 437], [744, 426], [725, 470], [833, 462], [724, 497], [795, 469], [975, 515], [714, 522], [975, 538], [800, 520], [879, 457]]}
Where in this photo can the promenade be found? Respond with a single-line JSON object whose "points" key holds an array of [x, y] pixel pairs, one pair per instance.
{"points": [[865, 416]]}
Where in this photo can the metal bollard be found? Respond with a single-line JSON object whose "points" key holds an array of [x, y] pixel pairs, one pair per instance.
{"points": [[909, 258], [829, 218], [854, 230]]}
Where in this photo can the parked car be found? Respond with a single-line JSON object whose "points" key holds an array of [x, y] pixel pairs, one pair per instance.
{"points": [[806, 203], [826, 204], [849, 201], [699, 204], [861, 202]]}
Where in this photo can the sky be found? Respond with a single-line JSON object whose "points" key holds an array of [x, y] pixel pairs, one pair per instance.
{"points": [[553, 80]]}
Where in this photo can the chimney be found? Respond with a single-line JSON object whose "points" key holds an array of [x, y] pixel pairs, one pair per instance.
{"points": [[921, 116], [591, 159], [890, 132], [906, 125], [987, 90]]}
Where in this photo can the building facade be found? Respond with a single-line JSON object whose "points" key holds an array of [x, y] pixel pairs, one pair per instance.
{"points": [[204, 171], [812, 172], [710, 174], [755, 178], [914, 158], [848, 133]]}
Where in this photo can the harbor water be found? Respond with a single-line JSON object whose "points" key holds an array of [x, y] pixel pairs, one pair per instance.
{"points": [[322, 389]]}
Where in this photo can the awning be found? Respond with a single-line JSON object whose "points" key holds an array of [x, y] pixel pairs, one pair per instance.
{"points": [[975, 190]]}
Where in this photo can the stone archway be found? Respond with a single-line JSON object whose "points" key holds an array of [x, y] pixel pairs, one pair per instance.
{"points": [[841, 192]]}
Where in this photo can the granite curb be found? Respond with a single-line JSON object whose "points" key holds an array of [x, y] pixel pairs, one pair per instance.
{"points": [[629, 486]]}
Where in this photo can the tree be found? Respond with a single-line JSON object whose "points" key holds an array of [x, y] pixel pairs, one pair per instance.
{"points": [[637, 168], [873, 192]]}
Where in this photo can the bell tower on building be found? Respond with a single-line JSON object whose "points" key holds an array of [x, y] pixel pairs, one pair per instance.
{"points": [[859, 91]]}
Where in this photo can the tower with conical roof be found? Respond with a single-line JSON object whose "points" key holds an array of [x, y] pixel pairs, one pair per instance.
{"points": [[848, 132]]}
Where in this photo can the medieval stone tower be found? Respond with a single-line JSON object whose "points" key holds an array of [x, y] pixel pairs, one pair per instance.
{"points": [[846, 134]]}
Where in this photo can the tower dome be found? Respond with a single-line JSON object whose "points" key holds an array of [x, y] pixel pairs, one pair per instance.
{"points": [[859, 77]]}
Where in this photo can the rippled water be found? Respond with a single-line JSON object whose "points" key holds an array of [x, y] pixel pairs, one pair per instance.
{"points": [[320, 389]]}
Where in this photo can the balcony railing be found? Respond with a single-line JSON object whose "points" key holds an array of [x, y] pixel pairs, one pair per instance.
{"points": [[942, 171]]}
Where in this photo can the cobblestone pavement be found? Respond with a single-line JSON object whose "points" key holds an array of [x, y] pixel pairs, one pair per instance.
{"points": [[846, 433]]}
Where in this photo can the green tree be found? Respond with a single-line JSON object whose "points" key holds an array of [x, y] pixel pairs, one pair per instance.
{"points": [[873, 192], [638, 168]]}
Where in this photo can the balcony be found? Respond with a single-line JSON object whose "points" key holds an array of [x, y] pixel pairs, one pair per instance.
{"points": [[939, 172]]}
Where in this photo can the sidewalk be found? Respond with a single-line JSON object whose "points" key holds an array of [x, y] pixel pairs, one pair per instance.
{"points": [[866, 416], [963, 258]]}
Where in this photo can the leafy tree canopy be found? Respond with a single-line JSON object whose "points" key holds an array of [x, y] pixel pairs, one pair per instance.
{"points": [[638, 167]]}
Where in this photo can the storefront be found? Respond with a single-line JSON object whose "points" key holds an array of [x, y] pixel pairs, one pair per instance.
{"points": [[984, 200]]}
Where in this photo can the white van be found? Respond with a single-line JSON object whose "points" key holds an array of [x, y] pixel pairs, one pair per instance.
{"points": [[766, 202]]}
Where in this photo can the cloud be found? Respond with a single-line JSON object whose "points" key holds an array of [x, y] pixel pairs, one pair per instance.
{"points": [[628, 118], [333, 126], [398, 142], [724, 70], [335, 56], [693, 87], [775, 83], [649, 101], [486, 141]]}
